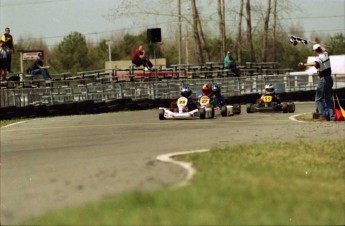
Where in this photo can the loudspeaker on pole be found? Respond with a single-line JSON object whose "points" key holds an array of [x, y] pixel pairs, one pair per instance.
{"points": [[154, 35]]}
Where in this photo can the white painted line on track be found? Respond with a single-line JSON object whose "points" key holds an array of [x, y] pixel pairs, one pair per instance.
{"points": [[13, 124], [293, 118], [186, 165]]}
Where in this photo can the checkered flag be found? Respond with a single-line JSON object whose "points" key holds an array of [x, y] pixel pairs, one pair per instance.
{"points": [[294, 40]]}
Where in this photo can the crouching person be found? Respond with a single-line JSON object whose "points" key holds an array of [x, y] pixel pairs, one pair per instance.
{"points": [[38, 68]]}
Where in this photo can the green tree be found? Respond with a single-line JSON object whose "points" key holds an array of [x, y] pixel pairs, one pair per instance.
{"points": [[72, 54], [336, 44], [98, 55]]}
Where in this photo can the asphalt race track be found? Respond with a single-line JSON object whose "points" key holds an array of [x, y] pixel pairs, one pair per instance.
{"points": [[54, 163]]}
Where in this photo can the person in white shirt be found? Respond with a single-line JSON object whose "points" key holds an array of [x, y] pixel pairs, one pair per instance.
{"points": [[324, 90]]}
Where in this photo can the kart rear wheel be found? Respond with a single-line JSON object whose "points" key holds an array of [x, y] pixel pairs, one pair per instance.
{"points": [[249, 108], [224, 111], [161, 114], [237, 109], [285, 107], [291, 107], [202, 113]]}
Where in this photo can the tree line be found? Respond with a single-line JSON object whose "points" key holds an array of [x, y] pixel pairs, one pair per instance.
{"points": [[267, 41]]}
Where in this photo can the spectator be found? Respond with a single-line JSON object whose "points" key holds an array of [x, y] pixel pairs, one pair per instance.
{"points": [[324, 91], [139, 58], [229, 63], [8, 41], [37, 68], [3, 61]]}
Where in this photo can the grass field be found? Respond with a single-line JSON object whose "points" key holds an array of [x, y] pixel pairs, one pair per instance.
{"points": [[258, 184]]}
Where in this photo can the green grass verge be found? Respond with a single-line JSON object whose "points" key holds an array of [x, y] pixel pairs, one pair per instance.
{"points": [[7, 122], [258, 184]]}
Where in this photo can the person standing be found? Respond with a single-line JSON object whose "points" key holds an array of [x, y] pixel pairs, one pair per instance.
{"points": [[8, 42], [37, 68], [229, 63], [324, 89], [3, 61], [139, 58]]}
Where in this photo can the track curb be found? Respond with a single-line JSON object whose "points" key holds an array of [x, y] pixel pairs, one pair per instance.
{"points": [[293, 118], [186, 165]]}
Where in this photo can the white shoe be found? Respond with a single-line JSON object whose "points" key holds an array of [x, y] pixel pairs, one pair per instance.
{"points": [[146, 69]]}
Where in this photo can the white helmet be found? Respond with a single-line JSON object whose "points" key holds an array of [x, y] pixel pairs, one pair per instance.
{"points": [[269, 88]]}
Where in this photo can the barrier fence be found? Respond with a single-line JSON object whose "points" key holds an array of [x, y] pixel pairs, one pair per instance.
{"points": [[164, 89]]}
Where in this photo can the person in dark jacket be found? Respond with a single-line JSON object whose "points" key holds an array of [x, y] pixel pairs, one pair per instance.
{"points": [[37, 68]]}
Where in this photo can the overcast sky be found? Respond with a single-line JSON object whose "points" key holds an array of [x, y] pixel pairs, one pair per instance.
{"points": [[52, 20]]}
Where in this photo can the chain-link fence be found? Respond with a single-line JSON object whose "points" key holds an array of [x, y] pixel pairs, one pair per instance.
{"points": [[164, 89]]}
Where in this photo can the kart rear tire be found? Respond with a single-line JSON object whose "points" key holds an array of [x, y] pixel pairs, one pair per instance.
{"points": [[237, 109], [161, 114], [224, 111], [291, 107], [285, 107], [249, 108], [202, 113]]}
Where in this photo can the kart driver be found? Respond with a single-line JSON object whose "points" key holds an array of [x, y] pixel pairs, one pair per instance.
{"points": [[206, 90], [187, 93], [269, 91], [219, 99]]}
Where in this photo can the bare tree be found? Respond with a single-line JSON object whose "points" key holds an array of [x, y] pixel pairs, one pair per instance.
{"points": [[199, 35], [221, 15], [249, 31], [239, 34], [196, 36], [275, 30], [179, 31], [266, 34]]}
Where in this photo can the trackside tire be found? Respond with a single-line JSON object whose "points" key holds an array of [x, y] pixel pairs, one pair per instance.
{"points": [[161, 114]]}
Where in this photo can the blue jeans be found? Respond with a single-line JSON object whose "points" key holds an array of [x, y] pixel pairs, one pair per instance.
{"points": [[324, 91], [43, 72]]}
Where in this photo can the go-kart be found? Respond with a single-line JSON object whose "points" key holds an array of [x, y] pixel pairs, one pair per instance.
{"points": [[206, 107], [270, 103], [181, 112]]}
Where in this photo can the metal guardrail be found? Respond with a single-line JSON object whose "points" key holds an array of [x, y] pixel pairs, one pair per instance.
{"points": [[170, 88]]}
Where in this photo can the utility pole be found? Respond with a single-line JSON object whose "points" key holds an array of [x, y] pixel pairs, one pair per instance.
{"points": [[109, 50]]}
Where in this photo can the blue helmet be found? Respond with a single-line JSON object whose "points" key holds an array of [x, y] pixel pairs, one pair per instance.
{"points": [[216, 88], [186, 92]]}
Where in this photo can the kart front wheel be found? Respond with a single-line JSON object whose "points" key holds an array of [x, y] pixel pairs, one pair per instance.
{"points": [[249, 108], [161, 114], [291, 107], [202, 113], [224, 111], [237, 109], [285, 107]]}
